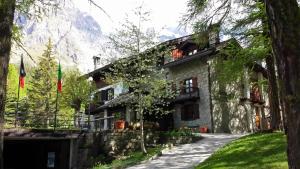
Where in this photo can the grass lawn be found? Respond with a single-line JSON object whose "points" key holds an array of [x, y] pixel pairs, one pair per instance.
{"points": [[256, 151], [132, 159]]}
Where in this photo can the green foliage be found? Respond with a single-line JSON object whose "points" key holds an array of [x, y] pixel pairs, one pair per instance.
{"points": [[76, 90], [12, 89], [42, 91], [12, 94], [132, 159], [139, 71], [175, 133], [251, 152]]}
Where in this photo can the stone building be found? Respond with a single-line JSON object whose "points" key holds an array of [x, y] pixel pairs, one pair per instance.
{"points": [[201, 101]]}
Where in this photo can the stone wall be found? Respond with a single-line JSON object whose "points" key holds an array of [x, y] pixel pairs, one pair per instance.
{"points": [[230, 114], [199, 69], [86, 150], [121, 143]]}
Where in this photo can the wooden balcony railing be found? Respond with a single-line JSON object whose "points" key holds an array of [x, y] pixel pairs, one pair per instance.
{"points": [[187, 93]]}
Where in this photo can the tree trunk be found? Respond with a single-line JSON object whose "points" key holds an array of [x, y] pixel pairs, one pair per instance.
{"points": [[224, 128], [283, 17], [142, 133], [273, 93], [272, 80], [7, 9]]}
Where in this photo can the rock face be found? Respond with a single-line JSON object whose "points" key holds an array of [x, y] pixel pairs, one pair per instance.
{"points": [[76, 36]]}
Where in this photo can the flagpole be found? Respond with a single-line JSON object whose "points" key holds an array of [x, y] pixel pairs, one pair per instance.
{"points": [[56, 109], [17, 107], [18, 98], [56, 104]]}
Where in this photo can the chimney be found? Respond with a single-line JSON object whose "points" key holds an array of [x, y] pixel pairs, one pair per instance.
{"points": [[97, 61], [214, 34]]}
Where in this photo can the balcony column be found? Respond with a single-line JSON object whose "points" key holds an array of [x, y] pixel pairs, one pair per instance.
{"points": [[105, 119]]}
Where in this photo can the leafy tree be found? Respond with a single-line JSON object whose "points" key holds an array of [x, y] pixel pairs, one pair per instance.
{"points": [[76, 90], [283, 30], [252, 30], [139, 70], [42, 91]]}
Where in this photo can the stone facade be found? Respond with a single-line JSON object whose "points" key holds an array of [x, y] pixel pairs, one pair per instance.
{"points": [[198, 69]]}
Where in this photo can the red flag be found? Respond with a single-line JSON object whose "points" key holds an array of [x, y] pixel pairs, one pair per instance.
{"points": [[22, 74]]}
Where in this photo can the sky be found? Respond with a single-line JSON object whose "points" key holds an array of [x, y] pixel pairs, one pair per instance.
{"points": [[164, 13]]}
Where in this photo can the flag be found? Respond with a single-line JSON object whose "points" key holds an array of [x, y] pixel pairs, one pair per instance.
{"points": [[22, 74], [59, 77]]}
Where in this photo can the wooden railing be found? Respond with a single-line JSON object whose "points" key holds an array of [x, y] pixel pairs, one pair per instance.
{"points": [[187, 93]]}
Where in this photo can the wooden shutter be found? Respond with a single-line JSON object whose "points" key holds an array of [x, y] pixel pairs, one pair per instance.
{"points": [[194, 82], [181, 87]]}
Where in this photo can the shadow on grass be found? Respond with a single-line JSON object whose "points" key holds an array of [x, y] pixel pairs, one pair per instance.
{"points": [[264, 151]]}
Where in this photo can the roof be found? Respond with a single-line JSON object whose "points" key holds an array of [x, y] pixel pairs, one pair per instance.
{"points": [[99, 70], [199, 55], [119, 100]]}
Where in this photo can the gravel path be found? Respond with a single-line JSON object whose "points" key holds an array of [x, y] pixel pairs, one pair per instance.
{"points": [[188, 155]]}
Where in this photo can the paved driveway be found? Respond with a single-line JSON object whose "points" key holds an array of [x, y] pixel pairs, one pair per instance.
{"points": [[188, 155]]}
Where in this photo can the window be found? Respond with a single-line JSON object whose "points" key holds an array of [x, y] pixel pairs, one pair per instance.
{"points": [[190, 112], [110, 94], [107, 94], [189, 85]]}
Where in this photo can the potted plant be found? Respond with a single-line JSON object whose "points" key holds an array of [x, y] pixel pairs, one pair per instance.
{"points": [[204, 129], [119, 123]]}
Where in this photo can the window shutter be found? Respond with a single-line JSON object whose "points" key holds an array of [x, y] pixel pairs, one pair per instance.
{"points": [[181, 87], [194, 82]]}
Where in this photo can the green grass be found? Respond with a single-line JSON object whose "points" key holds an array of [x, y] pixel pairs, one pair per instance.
{"points": [[132, 159], [256, 151]]}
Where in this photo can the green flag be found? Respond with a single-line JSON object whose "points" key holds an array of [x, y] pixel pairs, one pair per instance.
{"points": [[59, 77]]}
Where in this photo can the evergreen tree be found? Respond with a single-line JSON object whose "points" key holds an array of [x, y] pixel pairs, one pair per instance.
{"points": [[11, 95], [42, 91]]}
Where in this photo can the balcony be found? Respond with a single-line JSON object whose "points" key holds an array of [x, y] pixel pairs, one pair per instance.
{"points": [[187, 93], [173, 60]]}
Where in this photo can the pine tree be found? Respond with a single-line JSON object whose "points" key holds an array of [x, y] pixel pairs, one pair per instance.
{"points": [[11, 95], [42, 91]]}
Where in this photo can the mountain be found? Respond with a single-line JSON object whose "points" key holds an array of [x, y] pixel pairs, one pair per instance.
{"points": [[76, 37]]}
